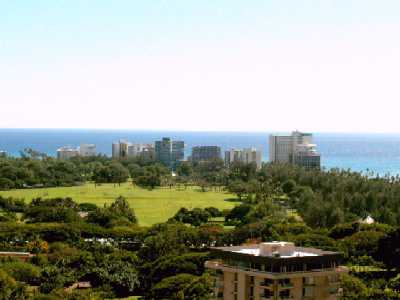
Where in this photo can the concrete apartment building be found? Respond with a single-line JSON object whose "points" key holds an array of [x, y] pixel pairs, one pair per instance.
{"points": [[84, 150], [205, 153], [178, 151], [67, 152], [275, 271], [246, 155], [87, 150], [124, 149], [169, 152], [295, 148]]}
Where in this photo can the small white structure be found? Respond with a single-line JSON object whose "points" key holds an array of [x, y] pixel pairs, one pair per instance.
{"points": [[368, 220], [277, 249]]}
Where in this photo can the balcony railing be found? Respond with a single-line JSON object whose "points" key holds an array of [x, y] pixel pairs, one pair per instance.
{"points": [[285, 285], [216, 264]]}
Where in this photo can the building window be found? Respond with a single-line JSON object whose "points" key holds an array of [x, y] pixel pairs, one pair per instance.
{"points": [[308, 291], [308, 281]]}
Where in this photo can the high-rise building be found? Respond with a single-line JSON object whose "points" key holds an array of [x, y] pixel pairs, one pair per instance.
{"points": [[205, 153], [296, 148], [67, 152], [87, 150], [247, 156], [232, 156], [163, 151], [178, 151], [115, 150], [169, 152], [306, 155], [252, 155], [275, 271], [147, 152], [124, 149]]}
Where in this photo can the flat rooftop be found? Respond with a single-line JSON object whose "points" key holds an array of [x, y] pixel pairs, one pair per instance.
{"points": [[275, 257], [275, 250], [256, 252]]}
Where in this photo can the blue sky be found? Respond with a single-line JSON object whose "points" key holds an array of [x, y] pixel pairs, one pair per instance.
{"points": [[201, 65]]}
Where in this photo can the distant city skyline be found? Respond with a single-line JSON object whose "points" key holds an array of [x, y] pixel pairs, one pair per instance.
{"points": [[254, 66]]}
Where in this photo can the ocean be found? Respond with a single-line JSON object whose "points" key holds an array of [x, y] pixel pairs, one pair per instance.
{"points": [[379, 153]]}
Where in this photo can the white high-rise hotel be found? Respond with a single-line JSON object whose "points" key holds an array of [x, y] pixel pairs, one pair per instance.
{"points": [[297, 148], [247, 155], [124, 149]]}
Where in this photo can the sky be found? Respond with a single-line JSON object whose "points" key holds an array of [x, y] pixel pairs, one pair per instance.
{"points": [[210, 65]]}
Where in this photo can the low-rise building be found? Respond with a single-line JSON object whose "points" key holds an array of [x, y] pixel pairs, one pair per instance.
{"points": [[23, 256], [275, 271], [3, 153], [205, 153]]}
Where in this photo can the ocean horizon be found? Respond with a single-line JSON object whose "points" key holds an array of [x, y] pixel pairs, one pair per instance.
{"points": [[362, 152]]}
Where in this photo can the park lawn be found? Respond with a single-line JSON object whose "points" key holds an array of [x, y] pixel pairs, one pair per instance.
{"points": [[151, 207]]}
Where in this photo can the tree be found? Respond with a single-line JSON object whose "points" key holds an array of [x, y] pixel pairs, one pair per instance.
{"points": [[238, 213], [111, 173], [52, 210], [389, 250], [152, 176], [22, 272], [185, 169], [121, 207], [121, 275], [119, 213], [289, 186], [182, 286], [353, 288], [238, 187], [195, 217], [9, 288], [118, 173]]}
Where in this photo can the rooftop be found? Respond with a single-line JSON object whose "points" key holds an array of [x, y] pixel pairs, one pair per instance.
{"points": [[275, 250]]}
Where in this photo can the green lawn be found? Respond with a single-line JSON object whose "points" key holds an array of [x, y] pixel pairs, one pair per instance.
{"points": [[150, 207]]}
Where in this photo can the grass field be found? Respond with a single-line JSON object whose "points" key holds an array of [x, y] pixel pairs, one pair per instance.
{"points": [[150, 207]]}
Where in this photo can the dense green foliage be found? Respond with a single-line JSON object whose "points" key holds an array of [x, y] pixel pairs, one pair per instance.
{"points": [[105, 247]]}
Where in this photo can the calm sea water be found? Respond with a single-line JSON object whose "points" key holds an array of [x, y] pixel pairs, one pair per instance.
{"points": [[360, 152]]}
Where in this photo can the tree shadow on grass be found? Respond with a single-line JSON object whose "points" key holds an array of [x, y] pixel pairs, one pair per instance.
{"points": [[233, 200]]}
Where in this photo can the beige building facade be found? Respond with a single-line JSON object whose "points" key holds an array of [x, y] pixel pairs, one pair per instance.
{"points": [[275, 271], [295, 148]]}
